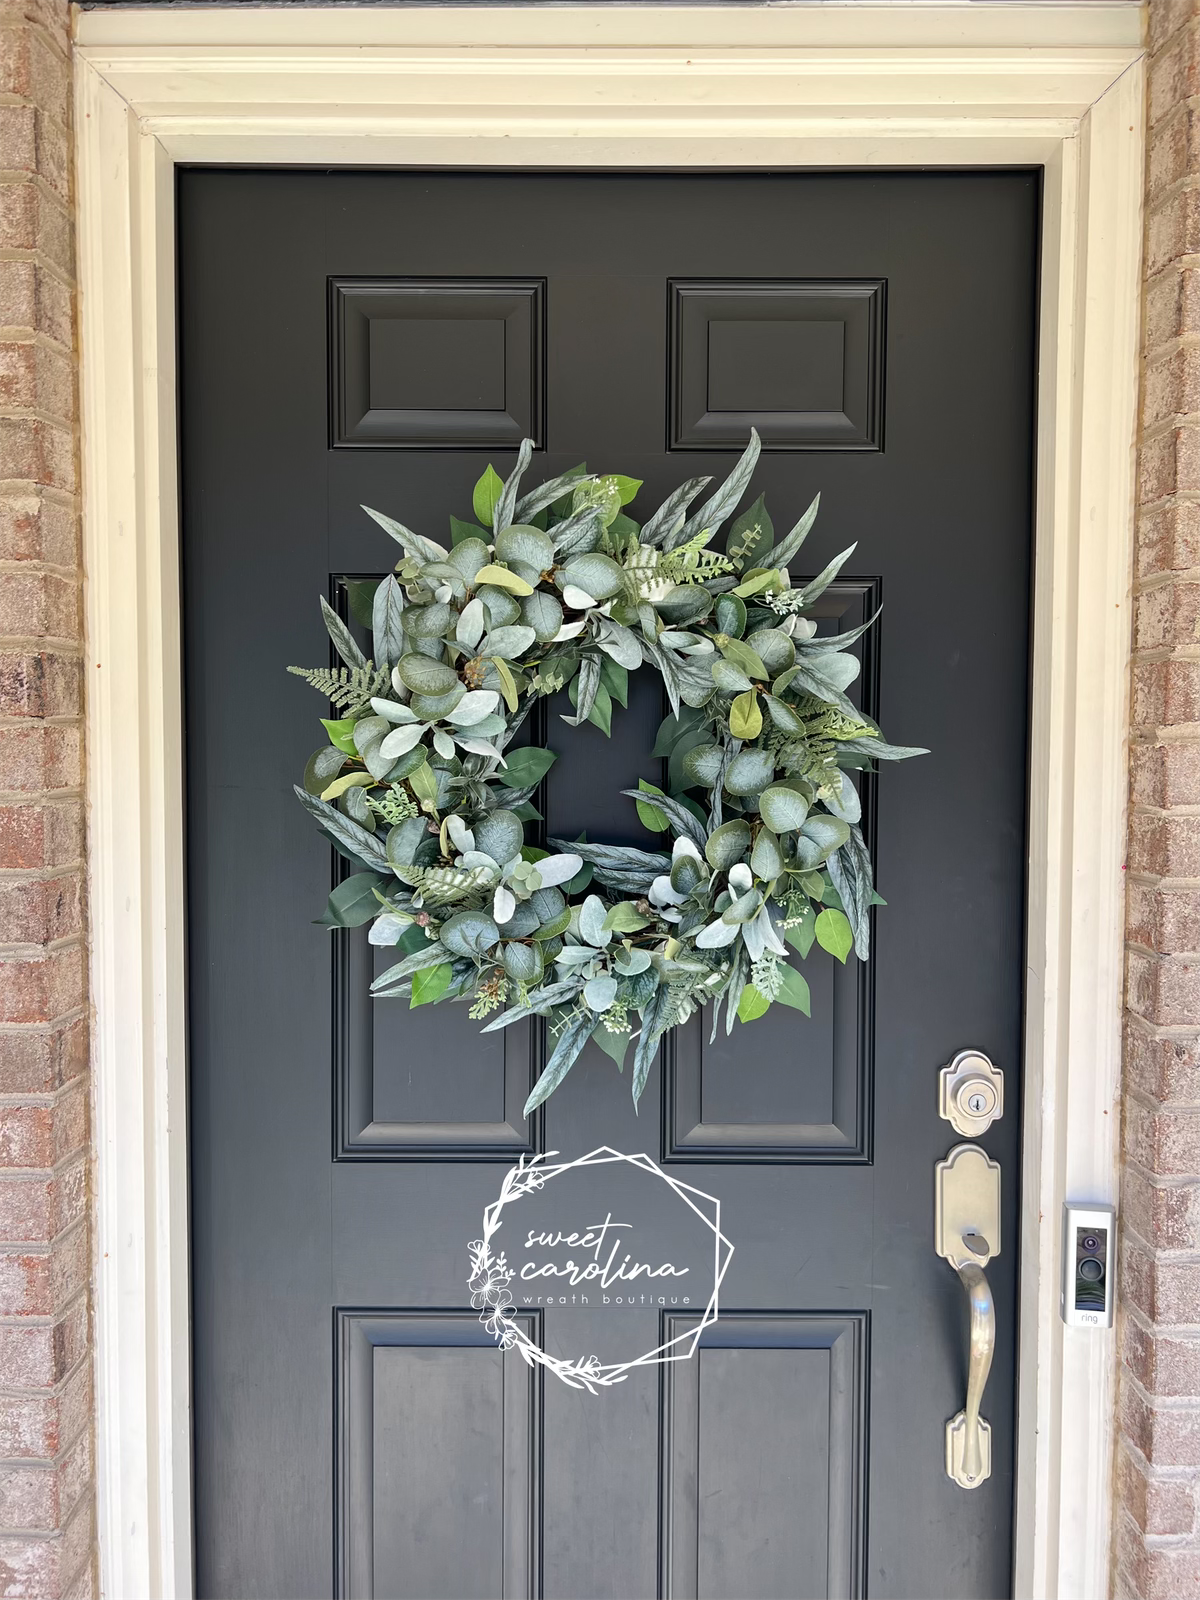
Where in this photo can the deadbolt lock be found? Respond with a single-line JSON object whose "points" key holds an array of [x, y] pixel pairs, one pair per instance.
{"points": [[971, 1093]]}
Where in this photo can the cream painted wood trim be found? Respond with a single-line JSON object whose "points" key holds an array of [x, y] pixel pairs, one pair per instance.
{"points": [[952, 85]]}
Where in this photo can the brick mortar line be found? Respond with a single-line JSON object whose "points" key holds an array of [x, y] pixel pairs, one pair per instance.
{"points": [[1173, 1404], [50, 1025], [1147, 435], [1143, 1097], [26, 488], [31, 24], [46, 1100], [1184, 1333], [34, 414], [10, 101], [1162, 1032], [54, 1390], [17, 335], [1156, 1255], [1158, 355], [33, 796], [63, 870], [39, 258], [1163, 197], [1186, 260], [46, 1174], [25, 948], [23, 1248], [1155, 581], [1151, 735], [1149, 655], [11, 176], [42, 569], [41, 644], [1143, 510]]}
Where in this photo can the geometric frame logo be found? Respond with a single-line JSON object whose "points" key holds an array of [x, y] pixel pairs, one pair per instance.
{"points": [[491, 1275]]}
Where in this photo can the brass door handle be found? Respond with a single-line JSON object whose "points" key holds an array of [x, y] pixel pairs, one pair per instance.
{"points": [[967, 1234]]}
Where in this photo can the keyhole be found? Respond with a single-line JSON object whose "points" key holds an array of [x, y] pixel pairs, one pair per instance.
{"points": [[977, 1103]]}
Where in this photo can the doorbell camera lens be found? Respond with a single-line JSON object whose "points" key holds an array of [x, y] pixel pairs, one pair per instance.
{"points": [[1091, 1270], [1090, 1243]]}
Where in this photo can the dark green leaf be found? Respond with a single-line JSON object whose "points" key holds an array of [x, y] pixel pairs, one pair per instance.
{"points": [[526, 766], [355, 901]]}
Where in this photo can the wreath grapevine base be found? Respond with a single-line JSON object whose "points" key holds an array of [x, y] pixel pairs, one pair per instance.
{"points": [[423, 790]]}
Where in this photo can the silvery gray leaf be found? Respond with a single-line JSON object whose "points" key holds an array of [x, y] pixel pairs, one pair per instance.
{"points": [[361, 844], [589, 683], [578, 533], [619, 643], [811, 591], [563, 1057], [672, 514], [415, 545], [387, 624], [540, 1001], [648, 1038], [780, 554], [715, 510], [684, 822], [821, 644], [503, 512], [432, 956], [547, 493], [343, 640], [880, 750]]}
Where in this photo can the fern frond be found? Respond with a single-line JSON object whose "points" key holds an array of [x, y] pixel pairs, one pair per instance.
{"points": [[348, 688]]}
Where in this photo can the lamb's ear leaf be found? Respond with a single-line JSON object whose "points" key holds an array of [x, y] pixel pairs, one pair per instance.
{"points": [[714, 510], [485, 495], [780, 554], [413, 544], [653, 1014], [547, 493], [504, 513], [563, 1057], [583, 691], [672, 514], [356, 841], [821, 582], [343, 640], [387, 625]]}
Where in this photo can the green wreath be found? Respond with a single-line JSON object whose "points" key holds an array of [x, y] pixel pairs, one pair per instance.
{"points": [[422, 788]]}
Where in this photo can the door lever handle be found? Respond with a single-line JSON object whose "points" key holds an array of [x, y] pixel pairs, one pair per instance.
{"points": [[967, 1234], [968, 1436]]}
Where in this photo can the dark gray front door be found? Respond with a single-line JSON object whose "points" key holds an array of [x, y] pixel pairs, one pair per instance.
{"points": [[377, 338]]}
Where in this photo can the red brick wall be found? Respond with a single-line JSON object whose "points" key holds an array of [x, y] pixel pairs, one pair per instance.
{"points": [[1158, 1456], [46, 1502]]}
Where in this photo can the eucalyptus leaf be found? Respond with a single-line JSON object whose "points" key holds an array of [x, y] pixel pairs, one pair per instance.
{"points": [[749, 772], [542, 613], [783, 808], [354, 901], [727, 844]]}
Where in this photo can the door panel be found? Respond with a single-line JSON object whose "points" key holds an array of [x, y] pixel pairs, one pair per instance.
{"points": [[375, 338]]}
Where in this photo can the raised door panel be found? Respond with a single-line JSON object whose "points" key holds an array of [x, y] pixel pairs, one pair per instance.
{"points": [[438, 1459], [764, 1445]]}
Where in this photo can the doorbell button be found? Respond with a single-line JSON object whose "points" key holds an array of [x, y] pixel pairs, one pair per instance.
{"points": [[971, 1093], [1089, 1246]]}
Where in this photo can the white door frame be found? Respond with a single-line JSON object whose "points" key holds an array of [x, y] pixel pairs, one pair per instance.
{"points": [[835, 86]]}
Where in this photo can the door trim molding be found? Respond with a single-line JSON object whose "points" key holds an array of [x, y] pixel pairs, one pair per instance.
{"points": [[1060, 87]]}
